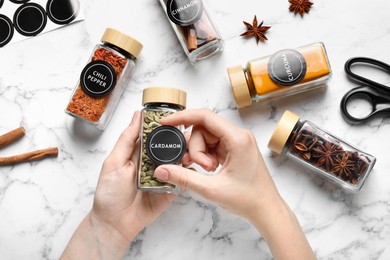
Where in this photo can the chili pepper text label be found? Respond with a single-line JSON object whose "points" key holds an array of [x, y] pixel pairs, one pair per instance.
{"points": [[98, 78]]}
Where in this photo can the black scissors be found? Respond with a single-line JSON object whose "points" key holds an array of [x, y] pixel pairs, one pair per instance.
{"points": [[375, 93]]}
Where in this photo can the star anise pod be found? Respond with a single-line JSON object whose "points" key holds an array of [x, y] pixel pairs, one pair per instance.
{"points": [[300, 6], [299, 146], [326, 153], [256, 30], [344, 167]]}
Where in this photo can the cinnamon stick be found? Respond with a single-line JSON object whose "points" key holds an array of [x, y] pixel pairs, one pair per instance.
{"points": [[30, 156], [192, 38], [11, 136], [206, 29]]}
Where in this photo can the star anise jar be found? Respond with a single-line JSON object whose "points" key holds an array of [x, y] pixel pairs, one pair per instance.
{"points": [[324, 153], [194, 28]]}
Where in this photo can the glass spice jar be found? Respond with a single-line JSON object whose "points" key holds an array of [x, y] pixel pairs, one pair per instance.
{"points": [[104, 78], [194, 28], [159, 144], [282, 74], [321, 151]]}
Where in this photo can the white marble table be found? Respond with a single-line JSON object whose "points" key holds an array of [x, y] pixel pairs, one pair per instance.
{"points": [[42, 203]]}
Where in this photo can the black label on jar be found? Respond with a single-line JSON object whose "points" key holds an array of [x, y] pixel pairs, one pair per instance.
{"points": [[166, 145], [98, 78], [287, 67], [184, 12]]}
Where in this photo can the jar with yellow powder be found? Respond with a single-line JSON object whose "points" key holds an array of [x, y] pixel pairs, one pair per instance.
{"points": [[285, 73]]}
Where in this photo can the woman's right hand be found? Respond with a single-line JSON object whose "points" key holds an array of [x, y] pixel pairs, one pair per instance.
{"points": [[243, 185]]}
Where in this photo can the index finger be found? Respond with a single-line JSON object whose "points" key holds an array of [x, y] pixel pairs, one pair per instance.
{"points": [[212, 122], [126, 143]]}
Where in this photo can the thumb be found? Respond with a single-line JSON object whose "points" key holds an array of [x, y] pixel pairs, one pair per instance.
{"points": [[183, 177]]}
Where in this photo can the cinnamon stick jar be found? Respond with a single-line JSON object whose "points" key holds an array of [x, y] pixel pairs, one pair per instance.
{"points": [[104, 78], [194, 28], [159, 144], [322, 152], [285, 73]]}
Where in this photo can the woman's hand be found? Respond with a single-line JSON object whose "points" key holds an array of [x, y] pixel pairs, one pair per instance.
{"points": [[118, 203], [120, 211], [243, 184]]}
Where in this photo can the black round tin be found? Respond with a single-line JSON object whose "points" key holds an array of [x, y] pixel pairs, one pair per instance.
{"points": [[19, 1], [166, 145], [62, 11], [1, 3], [6, 30], [30, 19]]}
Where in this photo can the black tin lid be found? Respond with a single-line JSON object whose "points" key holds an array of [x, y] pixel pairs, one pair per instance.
{"points": [[1, 3], [6, 30], [19, 1], [287, 67], [166, 145], [184, 12], [62, 11], [30, 19]]}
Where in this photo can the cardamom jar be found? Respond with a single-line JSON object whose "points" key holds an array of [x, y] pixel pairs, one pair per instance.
{"points": [[282, 74], [104, 78], [194, 28], [159, 144], [321, 152]]}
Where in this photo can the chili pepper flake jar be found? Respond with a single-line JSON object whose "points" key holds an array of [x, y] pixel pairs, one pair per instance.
{"points": [[194, 28], [321, 151], [104, 78], [159, 144], [282, 74]]}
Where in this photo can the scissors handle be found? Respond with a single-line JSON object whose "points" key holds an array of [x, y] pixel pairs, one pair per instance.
{"points": [[374, 97], [365, 60]]}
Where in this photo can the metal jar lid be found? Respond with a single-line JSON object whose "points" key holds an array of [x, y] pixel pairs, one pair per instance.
{"points": [[240, 87], [164, 95], [123, 41], [283, 131]]}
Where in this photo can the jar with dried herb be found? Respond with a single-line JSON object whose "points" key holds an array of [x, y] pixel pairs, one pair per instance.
{"points": [[104, 78], [282, 74], [159, 144], [194, 28], [321, 151]]}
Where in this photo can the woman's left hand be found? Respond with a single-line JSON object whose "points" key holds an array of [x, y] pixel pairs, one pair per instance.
{"points": [[120, 211], [118, 203]]}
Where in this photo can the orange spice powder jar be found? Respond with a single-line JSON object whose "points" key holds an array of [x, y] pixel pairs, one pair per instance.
{"points": [[282, 74]]}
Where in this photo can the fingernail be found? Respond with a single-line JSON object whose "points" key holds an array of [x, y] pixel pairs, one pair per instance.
{"points": [[161, 174]]}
